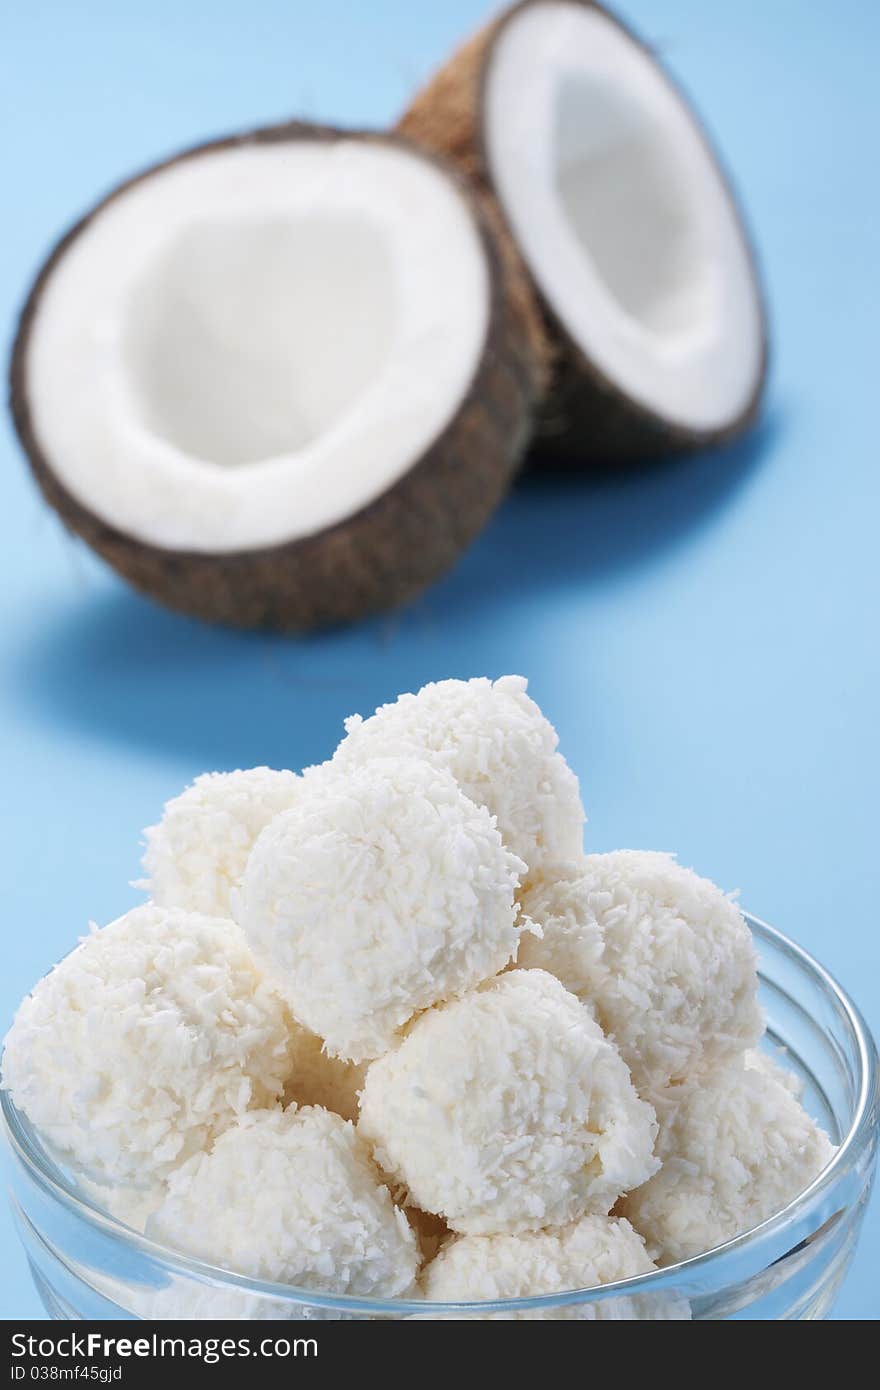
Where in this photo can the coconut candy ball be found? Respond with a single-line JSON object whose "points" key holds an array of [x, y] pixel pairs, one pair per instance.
{"points": [[375, 896], [499, 748], [145, 1043], [197, 853], [736, 1148], [291, 1196], [663, 957], [508, 1110], [592, 1251]]}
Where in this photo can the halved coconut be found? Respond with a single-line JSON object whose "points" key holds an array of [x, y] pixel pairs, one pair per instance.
{"points": [[625, 221], [280, 380]]}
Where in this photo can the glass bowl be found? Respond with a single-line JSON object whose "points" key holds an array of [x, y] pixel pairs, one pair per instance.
{"points": [[87, 1265]]}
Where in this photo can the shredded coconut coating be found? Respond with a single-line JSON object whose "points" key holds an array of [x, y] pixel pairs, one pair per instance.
{"points": [[774, 1067], [197, 853], [508, 1110], [593, 1251], [145, 1043], [130, 1205], [377, 895], [291, 1196], [192, 1302], [499, 748], [736, 1149], [317, 1079], [663, 957]]}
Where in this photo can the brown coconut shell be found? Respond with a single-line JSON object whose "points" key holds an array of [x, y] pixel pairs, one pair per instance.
{"points": [[385, 553], [585, 417]]}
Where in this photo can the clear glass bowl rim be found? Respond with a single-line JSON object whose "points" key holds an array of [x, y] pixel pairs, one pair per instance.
{"points": [[676, 1277]]}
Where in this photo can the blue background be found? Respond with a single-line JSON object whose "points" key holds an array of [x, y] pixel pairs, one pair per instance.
{"points": [[703, 634]]}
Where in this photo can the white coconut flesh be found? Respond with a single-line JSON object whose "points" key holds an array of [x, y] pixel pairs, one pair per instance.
{"points": [[622, 214], [251, 344]]}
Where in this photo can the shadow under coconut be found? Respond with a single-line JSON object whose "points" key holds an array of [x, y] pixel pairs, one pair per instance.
{"points": [[561, 529], [120, 667]]}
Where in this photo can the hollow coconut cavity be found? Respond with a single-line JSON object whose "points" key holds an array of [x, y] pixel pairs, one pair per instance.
{"points": [[282, 379], [626, 224]]}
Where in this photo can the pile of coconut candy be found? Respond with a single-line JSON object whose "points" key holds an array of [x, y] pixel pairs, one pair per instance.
{"points": [[384, 1029]]}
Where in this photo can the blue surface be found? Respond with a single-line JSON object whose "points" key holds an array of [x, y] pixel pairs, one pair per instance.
{"points": [[704, 634]]}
